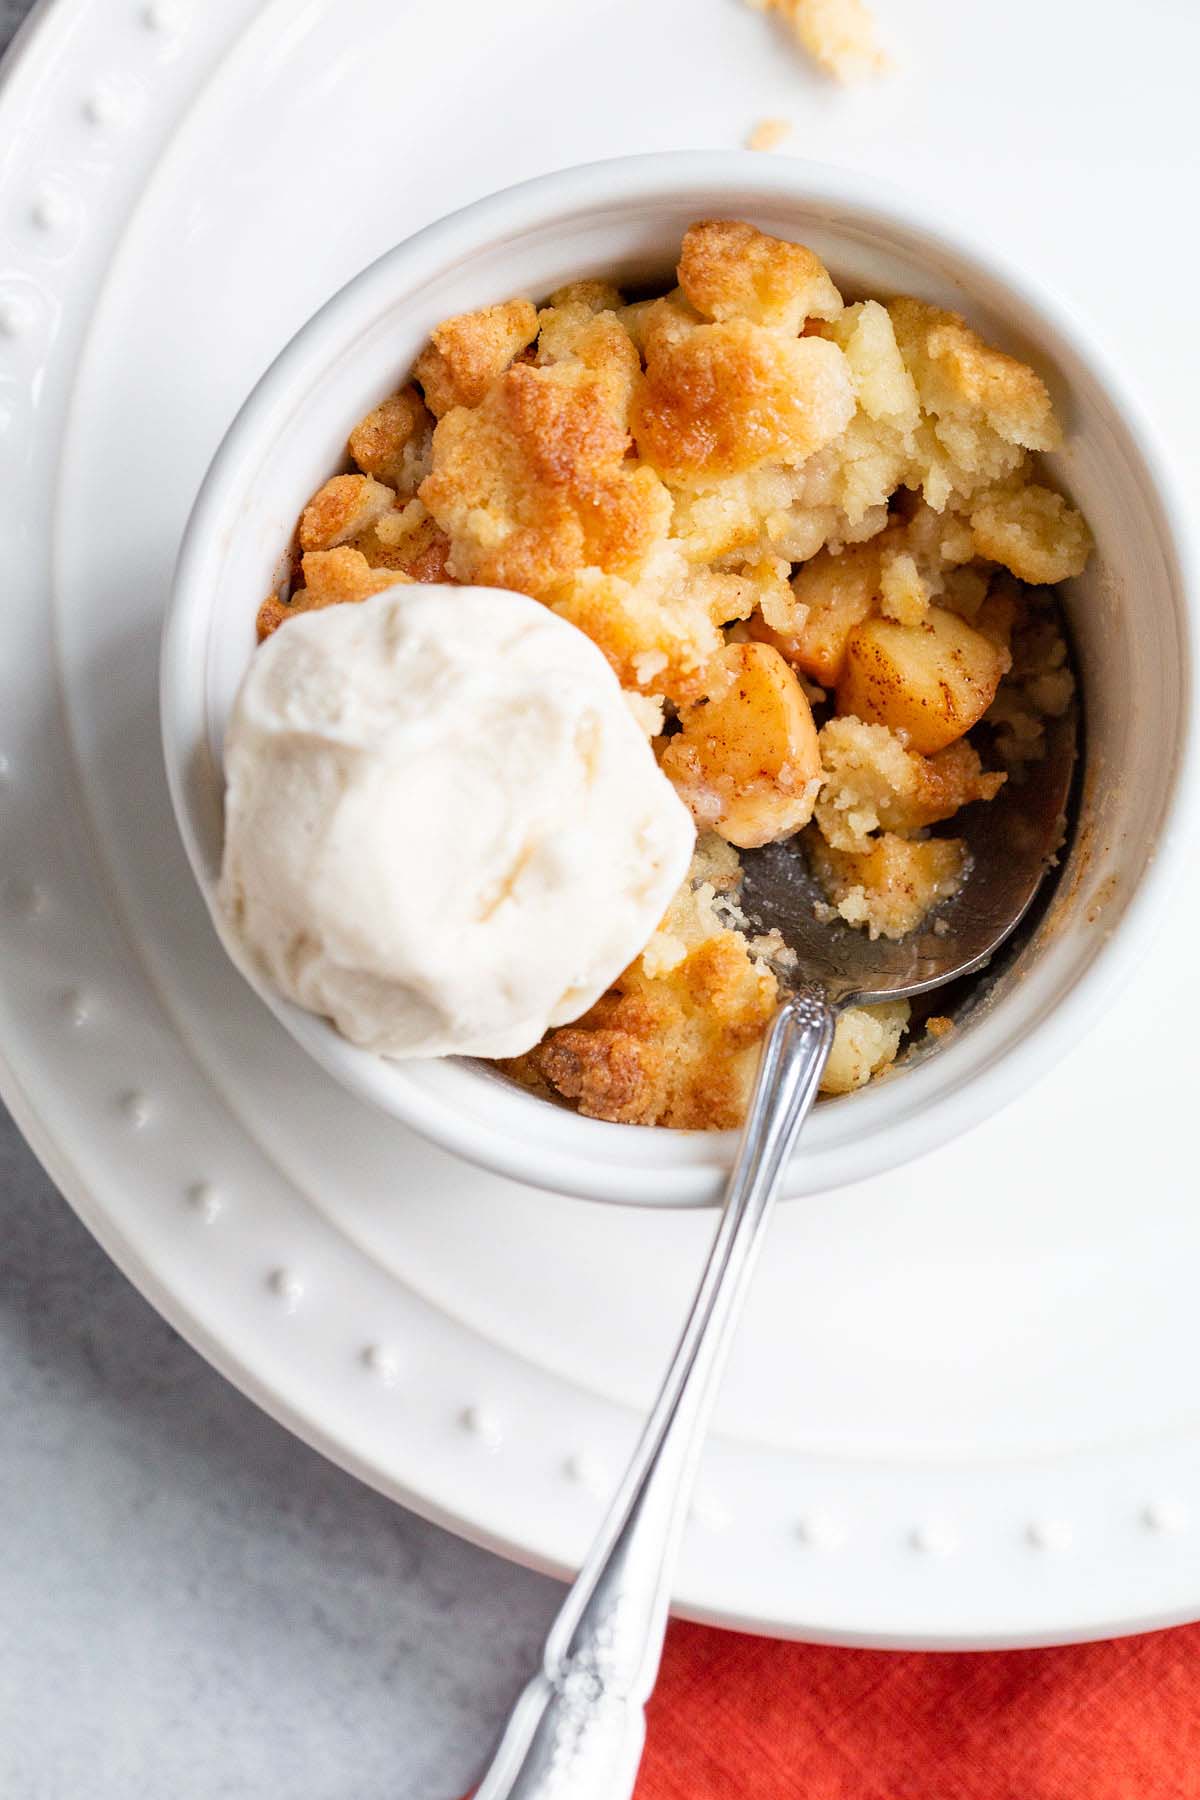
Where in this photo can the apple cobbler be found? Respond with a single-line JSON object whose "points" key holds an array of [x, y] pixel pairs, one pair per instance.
{"points": [[813, 540]]}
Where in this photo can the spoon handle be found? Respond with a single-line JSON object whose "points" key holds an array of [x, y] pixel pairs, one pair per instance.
{"points": [[578, 1728]]}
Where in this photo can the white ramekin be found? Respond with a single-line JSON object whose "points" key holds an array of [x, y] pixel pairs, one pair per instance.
{"points": [[1130, 615]]}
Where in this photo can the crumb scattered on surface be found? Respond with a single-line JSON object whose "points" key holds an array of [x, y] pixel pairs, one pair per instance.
{"points": [[839, 35], [768, 134]]}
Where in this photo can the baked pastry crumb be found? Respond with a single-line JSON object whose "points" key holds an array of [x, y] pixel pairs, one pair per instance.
{"points": [[891, 887], [839, 35], [768, 134], [392, 442], [873, 784]]}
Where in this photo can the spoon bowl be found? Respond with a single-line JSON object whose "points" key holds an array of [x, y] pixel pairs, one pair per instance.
{"points": [[1012, 842]]}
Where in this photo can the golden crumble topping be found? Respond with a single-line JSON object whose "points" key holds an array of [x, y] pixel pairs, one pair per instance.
{"points": [[331, 578], [728, 270], [725, 398], [813, 541], [344, 507], [533, 485], [392, 443], [466, 354]]}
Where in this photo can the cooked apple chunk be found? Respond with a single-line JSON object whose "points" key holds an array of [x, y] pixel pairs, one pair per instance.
{"points": [[929, 682], [746, 757], [832, 595]]}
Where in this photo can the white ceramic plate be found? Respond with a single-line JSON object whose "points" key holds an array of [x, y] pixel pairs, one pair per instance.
{"points": [[964, 1409]]}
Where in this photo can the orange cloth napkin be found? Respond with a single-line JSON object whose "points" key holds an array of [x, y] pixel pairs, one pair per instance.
{"points": [[743, 1718]]}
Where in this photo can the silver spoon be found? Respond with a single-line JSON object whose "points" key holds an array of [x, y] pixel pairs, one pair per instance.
{"points": [[577, 1730]]}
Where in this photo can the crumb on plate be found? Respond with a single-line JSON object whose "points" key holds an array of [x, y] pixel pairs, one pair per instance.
{"points": [[839, 35], [768, 134]]}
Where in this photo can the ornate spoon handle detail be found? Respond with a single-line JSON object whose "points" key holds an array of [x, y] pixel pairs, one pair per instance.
{"points": [[577, 1731]]}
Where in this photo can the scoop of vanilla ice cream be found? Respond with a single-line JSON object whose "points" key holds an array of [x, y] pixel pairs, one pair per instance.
{"points": [[444, 829]]}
